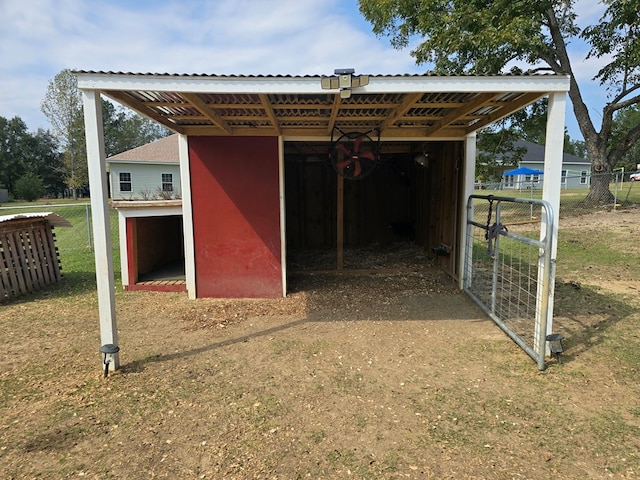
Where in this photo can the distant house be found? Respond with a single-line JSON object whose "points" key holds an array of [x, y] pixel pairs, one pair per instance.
{"points": [[149, 172], [576, 171]]}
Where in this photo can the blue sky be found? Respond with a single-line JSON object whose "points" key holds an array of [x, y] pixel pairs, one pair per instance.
{"points": [[39, 38]]}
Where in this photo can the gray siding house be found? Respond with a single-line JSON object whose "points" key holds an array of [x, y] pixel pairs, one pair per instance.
{"points": [[576, 171]]}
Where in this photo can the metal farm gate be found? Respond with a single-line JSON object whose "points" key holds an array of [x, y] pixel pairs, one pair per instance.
{"points": [[508, 269]]}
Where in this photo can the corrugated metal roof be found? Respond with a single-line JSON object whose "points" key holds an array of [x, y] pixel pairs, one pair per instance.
{"points": [[402, 106], [53, 218]]}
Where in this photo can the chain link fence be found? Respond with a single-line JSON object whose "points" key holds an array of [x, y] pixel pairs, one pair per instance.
{"points": [[580, 193], [75, 243]]}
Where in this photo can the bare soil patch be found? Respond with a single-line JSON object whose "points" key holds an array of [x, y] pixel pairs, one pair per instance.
{"points": [[388, 374]]}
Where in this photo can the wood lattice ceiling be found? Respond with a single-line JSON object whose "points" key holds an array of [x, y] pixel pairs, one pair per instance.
{"points": [[294, 111]]}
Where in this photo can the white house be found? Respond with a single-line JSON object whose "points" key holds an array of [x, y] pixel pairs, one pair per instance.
{"points": [[148, 172]]}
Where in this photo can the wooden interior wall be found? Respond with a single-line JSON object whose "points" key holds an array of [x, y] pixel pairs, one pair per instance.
{"points": [[399, 201], [438, 201], [159, 242], [377, 209]]}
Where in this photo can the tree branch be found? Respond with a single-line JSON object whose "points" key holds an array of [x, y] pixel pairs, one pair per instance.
{"points": [[624, 93], [629, 140], [579, 107]]}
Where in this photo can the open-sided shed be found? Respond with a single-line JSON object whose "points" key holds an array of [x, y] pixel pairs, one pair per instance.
{"points": [[255, 155]]}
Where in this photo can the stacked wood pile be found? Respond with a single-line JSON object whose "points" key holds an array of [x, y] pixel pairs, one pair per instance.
{"points": [[28, 254]]}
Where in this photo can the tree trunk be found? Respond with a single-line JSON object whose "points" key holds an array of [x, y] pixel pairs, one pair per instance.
{"points": [[599, 193]]}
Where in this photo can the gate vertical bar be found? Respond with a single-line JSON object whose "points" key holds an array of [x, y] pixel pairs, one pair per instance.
{"points": [[496, 260], [544, 287]]}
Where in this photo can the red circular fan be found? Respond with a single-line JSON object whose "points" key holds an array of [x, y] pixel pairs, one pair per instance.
{"points": [[353, 155]]}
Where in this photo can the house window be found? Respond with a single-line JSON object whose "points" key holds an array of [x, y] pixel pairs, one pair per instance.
{"points": [[584, 177], [125, 182], [167, 182], [563, 178]]}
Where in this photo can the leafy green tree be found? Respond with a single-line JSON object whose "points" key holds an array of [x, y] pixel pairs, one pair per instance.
{"points": [[124, 129], [29, 187], [12, 133], [22, 151], [623, 121], [62, 105], [43, 158], [483, 36]]}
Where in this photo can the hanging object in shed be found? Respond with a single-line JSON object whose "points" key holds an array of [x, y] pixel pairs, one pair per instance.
{"points": [[354, 155]]}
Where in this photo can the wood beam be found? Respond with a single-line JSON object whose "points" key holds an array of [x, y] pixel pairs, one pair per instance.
{"points": [[513, 106], [143, 110], [460, 112], [340, 223], [407, 103], [272, 117], [335, 108], [207, 111]]}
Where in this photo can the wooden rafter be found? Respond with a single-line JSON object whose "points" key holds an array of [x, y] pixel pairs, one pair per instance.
{"points": [[460, 112], [407, 103], [507, 109], [143, 110], [335, 108], [271, 113], [272, 117], [207, 111]]}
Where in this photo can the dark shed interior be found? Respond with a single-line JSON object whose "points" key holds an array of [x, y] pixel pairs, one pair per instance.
{"points": [[400, 201]]}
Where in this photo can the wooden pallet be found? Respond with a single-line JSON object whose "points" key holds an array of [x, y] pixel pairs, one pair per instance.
{"points": [[28, 257]]}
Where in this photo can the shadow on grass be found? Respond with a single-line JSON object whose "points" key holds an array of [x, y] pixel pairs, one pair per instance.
{"points": [[586, 317], [72, 284]]}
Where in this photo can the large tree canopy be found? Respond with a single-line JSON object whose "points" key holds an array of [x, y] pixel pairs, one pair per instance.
{"points": [[22, 152], [484, 36]]}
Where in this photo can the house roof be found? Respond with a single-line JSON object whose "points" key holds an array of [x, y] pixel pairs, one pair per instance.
{"points": [[535, 154], [400, 106], [164, 150]]}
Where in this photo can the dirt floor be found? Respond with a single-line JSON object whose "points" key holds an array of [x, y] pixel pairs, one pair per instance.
{"points": [[395, 374]]}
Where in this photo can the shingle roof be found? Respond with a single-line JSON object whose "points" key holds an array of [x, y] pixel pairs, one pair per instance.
{"points": [[164, 150], [535, 153]]}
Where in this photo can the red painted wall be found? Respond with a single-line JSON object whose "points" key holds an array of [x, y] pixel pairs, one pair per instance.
{"points": [[236, 216]]}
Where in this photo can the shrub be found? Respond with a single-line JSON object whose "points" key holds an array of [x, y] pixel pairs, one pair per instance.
{"points": [[29, 187]]}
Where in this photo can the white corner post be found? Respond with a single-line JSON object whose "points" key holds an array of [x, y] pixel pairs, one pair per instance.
{"points": [[101, 225], [187, 217], [553, 153], [469, 172], [283, 216]]}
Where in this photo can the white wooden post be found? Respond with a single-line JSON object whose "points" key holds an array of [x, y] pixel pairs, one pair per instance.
{"points": [[187, 217], [469, 172], [283, 230], [101, 225], [553, 154]]}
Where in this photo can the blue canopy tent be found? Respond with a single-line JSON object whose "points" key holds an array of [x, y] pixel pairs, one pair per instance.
{"points": [[523, 171]]}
